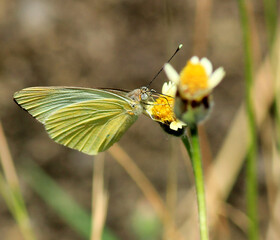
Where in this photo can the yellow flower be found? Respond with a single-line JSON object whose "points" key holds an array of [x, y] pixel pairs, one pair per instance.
{"points": [[197, 78], [194, 86], [161, 110]]}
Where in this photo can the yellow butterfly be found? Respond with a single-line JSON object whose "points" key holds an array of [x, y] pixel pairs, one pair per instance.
{"points": [[88, 120], [92, 120]]}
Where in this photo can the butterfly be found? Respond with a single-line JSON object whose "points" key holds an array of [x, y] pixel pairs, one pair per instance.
{"points": [[85, 119], [92, 120]]}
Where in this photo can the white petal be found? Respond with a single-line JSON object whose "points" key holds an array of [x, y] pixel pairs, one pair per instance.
{"points": [[169, 88], [216, 77], [207, 66], [171, 73], [176, 125], [194, 60], [173, 126], [165, 87]]}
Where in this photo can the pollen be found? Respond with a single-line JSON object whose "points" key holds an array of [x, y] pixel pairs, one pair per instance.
{"points": [[194, 77], [162, 110]]}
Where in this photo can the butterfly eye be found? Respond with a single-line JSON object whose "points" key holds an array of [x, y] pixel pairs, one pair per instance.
{"points": [[144, 96]]}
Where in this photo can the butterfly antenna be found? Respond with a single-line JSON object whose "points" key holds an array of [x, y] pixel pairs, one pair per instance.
{"points": [[178, 48]]}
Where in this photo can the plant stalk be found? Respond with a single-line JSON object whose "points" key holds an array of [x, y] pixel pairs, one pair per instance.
{"points": [[193, 148]]}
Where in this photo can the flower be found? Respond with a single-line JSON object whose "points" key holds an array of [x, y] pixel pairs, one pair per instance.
{"points": [[197, 78], [194, 86], [161, 110]]}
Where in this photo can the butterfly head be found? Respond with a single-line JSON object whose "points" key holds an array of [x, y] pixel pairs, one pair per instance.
{"points": [[144, 93], [141, 95]]}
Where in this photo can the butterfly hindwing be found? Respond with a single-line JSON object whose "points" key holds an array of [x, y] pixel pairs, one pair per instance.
{"points": [[88, 120], [90, 126]]}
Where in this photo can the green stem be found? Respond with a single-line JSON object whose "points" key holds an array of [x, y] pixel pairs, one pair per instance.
{"points": [[252, 192], [194, 152], [270, 13]]}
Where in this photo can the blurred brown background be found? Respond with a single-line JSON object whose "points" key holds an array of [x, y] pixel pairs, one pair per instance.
{"points": [[114, 44]]}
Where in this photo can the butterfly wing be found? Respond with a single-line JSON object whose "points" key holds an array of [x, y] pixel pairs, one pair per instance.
{"points": [[88, 120], [42, 102]]}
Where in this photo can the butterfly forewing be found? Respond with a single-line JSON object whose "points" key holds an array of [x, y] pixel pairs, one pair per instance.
{"points": [[88, 120], [41, 102]]}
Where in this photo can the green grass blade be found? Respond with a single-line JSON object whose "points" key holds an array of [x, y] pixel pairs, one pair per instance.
{"points": [[270, 13], [15, 203], [63, 204], [252, 192]]}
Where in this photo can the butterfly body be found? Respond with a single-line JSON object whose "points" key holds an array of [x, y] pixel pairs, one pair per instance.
{"points": [[88, 120]]}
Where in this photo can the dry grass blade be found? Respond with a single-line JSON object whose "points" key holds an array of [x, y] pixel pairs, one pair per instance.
{"points": [[238, 217], [201, 28], [255, 38], [203, 14], [272, 175], [171, 188], [10, 190], [99, 198], [273, 232], [171, 191], [147, 188], [270, 161], [7, 161]]}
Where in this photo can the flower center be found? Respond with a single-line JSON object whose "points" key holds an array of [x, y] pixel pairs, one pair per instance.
{"points": [[163, 110], [194, 77]]}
